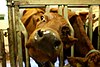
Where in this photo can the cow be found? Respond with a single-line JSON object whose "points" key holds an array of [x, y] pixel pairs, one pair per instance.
{"points": [[48, 34], [84, 47]]}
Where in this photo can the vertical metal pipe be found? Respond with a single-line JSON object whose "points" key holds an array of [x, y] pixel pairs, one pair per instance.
{"points": [[21, 32], [86, 26], [11, 35], [27, 58], [60, 7], [20, 57], [71, 28], [26, 50], [18, 37], [2, 49], [47, 10], [14, 12], [99, 31], [90, 23]]}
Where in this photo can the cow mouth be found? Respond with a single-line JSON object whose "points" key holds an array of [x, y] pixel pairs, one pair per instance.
{"points": [[39, 55]]}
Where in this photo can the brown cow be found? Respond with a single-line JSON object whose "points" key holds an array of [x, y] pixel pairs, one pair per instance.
{"points": [[43, 22], [47, 34], [84, 45]]}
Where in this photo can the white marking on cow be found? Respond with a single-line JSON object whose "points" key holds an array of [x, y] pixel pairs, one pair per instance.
{"points": [[46, 32], [35, 37]]}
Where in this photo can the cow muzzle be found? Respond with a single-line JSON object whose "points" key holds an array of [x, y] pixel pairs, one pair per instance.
{"points": [[47, 37], [45, 42]]}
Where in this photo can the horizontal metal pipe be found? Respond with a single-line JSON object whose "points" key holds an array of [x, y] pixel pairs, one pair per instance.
{"points": [[32, 6], [43, 6]]}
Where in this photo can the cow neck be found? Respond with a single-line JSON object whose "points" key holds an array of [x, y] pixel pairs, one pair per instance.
{"points": [[84, 44], [84, 34]]}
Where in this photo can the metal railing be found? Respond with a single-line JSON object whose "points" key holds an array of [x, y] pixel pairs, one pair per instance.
{"points": [[13, 33]]}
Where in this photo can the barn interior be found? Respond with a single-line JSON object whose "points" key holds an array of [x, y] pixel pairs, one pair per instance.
{"points": [[11, 12]]}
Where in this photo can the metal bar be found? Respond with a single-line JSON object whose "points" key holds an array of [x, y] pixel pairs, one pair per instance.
{"points": [[20, 56], [47, 10], [43, 6], [21, 28], [27, 58], [77, 6], [86, 26], [90, 23], [63, 2], [99, 31], [60, 7], [11, 35], [14, 32], [2, 49], [31, 6], [21, 31], [71, 28], [61, 53], [18, 37]]}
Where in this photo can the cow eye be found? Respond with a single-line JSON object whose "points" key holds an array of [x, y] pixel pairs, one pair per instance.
{"points": [[41, 17]]}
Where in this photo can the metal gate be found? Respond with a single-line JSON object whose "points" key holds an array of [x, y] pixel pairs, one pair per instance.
{"points": [[14, 32]]}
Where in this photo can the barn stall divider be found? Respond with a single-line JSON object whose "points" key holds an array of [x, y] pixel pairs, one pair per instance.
{"points": [[16, 28], [2, 49]]}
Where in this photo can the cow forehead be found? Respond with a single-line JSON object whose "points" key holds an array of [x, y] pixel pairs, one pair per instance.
{"points": [[27, 13], [36, 17], [52, 20], [53, 16]]}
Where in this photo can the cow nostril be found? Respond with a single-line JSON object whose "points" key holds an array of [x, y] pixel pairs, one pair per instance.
{"points": [[57, 43], [40, 33]]}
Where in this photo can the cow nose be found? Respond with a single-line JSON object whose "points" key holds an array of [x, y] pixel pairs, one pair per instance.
{"points": [[47, 37], [40, 33]]}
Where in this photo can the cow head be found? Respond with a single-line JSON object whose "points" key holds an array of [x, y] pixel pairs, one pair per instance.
{"points": [[30, 18], [50, 33]]}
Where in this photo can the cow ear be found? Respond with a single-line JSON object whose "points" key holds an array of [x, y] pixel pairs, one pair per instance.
{"points": [[24, 12], [67, 39], [65, 30], [70, 41]]}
